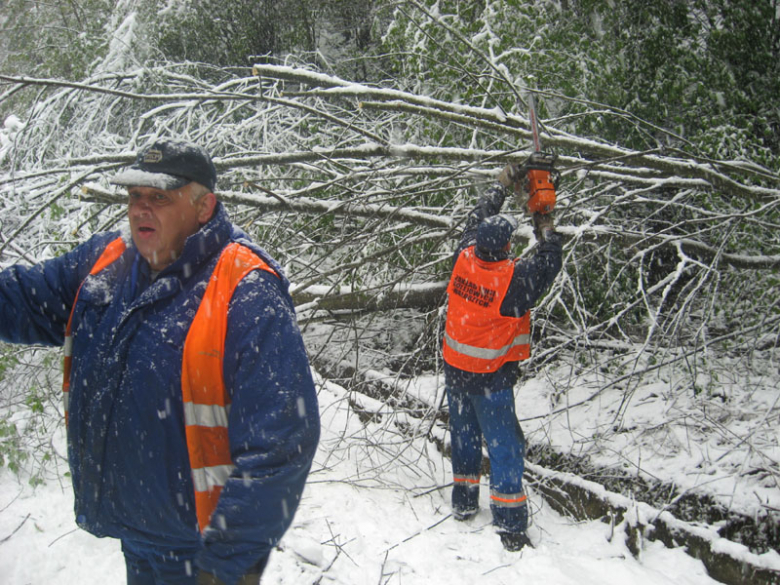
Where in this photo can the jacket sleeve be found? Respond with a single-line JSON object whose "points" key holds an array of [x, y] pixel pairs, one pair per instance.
{"points": [[532, 277], [274, 428], [35, 301], [490, 203]]}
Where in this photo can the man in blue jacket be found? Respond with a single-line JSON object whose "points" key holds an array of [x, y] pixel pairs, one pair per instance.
{"points": [[487, 334], [192, 414]]}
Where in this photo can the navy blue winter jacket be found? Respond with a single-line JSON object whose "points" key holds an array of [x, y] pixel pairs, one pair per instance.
{"points": [[530, 279], [126, 441]]}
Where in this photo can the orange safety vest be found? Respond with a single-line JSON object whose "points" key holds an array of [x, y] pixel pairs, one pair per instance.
{"points": [[477, 337], [206, 400]]}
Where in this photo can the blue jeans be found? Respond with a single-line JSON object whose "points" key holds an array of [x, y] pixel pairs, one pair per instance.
{"points": [[147, 565], [473, 416]]}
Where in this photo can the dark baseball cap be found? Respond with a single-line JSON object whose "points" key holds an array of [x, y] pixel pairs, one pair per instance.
{"points": [[169, 164]]}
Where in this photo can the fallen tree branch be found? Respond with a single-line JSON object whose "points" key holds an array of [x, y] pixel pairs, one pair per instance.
{"points": [[91, 88], [7, 538], [682, 167], [426, 296], [356, 300], [95, 193], [725, 560]]}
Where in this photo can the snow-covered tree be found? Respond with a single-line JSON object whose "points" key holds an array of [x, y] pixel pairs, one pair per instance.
{"points": [[668, 199]]}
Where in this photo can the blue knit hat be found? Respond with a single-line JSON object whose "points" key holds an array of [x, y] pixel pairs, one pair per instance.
{"points": [[495, 232]]}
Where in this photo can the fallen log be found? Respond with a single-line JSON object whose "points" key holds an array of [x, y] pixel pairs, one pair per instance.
{"points": [[725, 561]]}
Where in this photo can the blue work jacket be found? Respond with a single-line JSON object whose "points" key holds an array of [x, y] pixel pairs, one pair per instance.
{"points": [[126, 440]]}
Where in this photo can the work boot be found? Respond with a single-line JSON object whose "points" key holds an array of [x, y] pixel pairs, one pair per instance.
{"points": [[463, 515], [515, 541]]}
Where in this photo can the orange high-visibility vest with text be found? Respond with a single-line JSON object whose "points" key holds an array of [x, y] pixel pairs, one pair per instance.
{"points": [[478, 338], [206, 400]]}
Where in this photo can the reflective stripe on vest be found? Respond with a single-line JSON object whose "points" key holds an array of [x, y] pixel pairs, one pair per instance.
{"points": [[205, 398], [112, 253], [486, 354], [478, 338]]}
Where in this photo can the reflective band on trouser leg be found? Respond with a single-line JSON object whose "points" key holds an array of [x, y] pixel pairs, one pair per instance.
{"points": [[465, 495], [508, 500], [471, 481]]}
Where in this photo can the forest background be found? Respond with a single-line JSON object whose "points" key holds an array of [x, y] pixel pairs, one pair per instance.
{"points": [[351, 140]]}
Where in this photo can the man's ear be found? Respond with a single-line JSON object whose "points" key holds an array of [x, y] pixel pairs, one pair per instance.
{"points": [[206, 205]]}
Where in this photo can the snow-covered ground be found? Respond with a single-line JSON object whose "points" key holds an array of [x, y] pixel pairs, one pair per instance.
{"points": [[375, 511]]}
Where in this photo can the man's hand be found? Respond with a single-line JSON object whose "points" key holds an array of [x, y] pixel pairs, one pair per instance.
{"points": [[543, 226], [512, 178], [510, 175]]}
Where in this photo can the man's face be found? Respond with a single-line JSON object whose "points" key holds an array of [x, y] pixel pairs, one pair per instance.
{"points": [[161, 221]]}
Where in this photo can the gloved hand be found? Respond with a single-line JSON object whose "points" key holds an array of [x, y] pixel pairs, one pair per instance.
{"points": [[206, 578], [512, 178], [543, 226], [510, 175]]}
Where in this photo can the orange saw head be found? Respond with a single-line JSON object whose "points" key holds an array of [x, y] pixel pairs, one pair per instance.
{"points": [[541, 180]]}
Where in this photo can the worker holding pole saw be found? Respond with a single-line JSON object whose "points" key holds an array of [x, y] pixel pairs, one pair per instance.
{"points": [[488, 332]]}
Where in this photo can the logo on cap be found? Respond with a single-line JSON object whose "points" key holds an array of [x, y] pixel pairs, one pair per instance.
{"points": [[153, 156]]}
